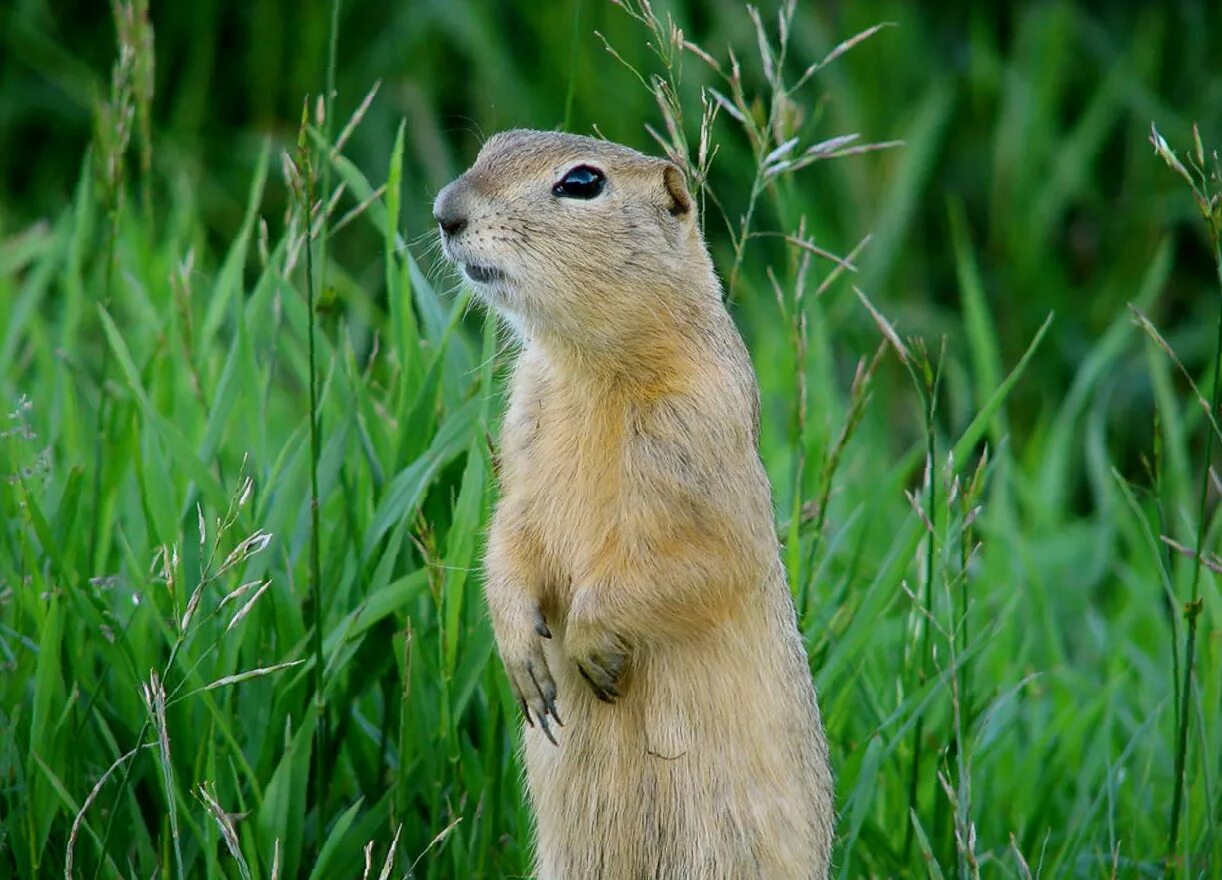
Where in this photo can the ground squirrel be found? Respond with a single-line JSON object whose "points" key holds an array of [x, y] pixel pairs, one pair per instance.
{"points": [[632, 572]]}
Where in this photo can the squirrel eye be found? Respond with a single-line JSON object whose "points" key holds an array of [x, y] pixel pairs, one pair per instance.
{"points": [[582, 182]]}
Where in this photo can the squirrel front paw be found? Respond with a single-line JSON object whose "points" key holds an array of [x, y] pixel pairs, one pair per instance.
{"points": [[600, 656], [529, 676]]}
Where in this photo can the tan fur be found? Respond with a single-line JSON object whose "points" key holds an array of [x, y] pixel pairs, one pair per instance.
{"points": [[633, 538]]}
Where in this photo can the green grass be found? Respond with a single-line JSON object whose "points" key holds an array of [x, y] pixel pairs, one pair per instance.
{"points": [[185, 692]]}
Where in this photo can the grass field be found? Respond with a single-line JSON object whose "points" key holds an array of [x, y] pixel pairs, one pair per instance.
{"points": [[246, 474]]}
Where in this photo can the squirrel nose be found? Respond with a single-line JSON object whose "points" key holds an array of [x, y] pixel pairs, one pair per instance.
{"points": [[449, 210], [451, 224]]}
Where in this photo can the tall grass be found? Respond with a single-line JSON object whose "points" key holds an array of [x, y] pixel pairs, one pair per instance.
{"points": [[240, 617], [1205, 183]]}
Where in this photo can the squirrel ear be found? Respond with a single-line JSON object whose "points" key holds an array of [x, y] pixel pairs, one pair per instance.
{"points": [[676, 188]]}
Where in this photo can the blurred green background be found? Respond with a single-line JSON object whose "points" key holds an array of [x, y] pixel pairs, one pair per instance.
{"points": [[1031, 116], [1026, 186]]}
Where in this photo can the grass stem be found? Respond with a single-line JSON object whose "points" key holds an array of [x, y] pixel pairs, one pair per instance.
{"points": [[112, 236], [1192, 608], [316, 611], [573, 56], [927, 385]]}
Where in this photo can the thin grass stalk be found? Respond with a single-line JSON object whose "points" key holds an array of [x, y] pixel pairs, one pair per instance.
{"points": [[111, 138], [968, 511], [154, 696], [328, 103], [575, 42], [320, 730], [307, 168], [100, 422], [965, 555], [332, 48], [740, 241], [402, 796], [798, 341], [1155, 472], [963, 805], [79, 821], [858, 397], [928, 389], [315, 586], [143, 88], [960, 643], [1192, 609], [113, 212], [761, 137]]}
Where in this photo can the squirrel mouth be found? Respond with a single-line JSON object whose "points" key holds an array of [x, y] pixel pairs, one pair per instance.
{"points": [[482, 274]]}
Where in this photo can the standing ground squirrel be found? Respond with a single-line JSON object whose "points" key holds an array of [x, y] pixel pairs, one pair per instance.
{"points": [[632, 572]]}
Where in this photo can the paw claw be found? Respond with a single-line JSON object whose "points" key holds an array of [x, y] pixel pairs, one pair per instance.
{"points": [[603, 670], [547, 731], [532, 684]]}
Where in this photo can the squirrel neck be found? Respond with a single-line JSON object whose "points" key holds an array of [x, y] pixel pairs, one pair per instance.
{"points": [[644, 355]]}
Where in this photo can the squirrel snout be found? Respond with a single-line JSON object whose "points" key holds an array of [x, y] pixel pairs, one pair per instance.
{"points": [[451, 224], [450, 216]]}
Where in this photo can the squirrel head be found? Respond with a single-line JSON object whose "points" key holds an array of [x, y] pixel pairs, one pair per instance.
{"points": [[577, 239]]}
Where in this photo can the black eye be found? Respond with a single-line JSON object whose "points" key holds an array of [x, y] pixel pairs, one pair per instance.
{"points": [[582, 182]]}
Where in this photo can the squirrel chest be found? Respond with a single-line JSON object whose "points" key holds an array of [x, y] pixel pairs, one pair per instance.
{"points": [[564, 457]]}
